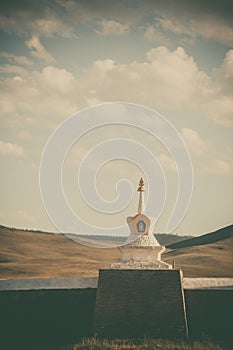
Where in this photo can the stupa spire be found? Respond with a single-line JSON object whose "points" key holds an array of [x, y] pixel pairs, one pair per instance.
{"points": [[141, 249], [141, 189]]}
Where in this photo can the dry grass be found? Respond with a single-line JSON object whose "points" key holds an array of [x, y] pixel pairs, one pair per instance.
{"points": [[30, 254], [210, 260], [142, 344]]}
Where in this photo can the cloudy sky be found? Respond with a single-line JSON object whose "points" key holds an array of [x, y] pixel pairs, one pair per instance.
{"points": [[58, 57]]}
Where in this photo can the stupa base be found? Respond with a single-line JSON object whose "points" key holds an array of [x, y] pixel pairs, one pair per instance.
{"points": [[141, 265], [138, 303]]}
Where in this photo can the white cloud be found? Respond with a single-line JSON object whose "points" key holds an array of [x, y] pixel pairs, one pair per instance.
{"points": [[11, 149], [227, 65], [212, 28], [218, 167], [16, 59], [176, 26], [38, 50], [62, 18], [89, 11], [219, 109], [12, 69], [38, 98], [219, 101], [57, 80], [104, 65], [112, 27], [25, 135], [194, 142], [205, 26], [154, 34], [166, 162], [150, 33], [167, 79], [52, 25], [46, 23]]}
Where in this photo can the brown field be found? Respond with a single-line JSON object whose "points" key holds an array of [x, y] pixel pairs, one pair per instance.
{"points": [[26, 254]]}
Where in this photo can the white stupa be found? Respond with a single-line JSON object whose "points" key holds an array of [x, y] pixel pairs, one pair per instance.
{"points": [[141, 250]]}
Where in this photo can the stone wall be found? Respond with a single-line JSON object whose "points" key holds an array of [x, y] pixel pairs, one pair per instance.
{"points": [[210, 313], [45, 319]]}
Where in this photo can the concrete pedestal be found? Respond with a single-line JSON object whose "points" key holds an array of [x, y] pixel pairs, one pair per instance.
{"points": [[138, 303]]}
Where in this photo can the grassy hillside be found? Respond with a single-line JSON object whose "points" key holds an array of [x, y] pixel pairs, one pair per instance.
{"points": [[210, 260], [26, 254], [108, 241], [213, 237], [207, 255], [167, 238]]}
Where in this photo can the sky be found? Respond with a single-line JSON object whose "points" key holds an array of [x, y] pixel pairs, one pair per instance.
{"points": [[60, 57]]}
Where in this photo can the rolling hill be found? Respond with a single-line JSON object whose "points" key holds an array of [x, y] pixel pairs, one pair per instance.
{"points": [[27, 254], [208, 255], [213, 237], [114, 241]]}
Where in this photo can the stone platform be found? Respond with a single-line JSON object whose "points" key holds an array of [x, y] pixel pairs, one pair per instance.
{"points": [[138, 303]]}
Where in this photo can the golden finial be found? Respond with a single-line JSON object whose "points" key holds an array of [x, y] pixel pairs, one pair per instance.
{"points": [[141, 187]]}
